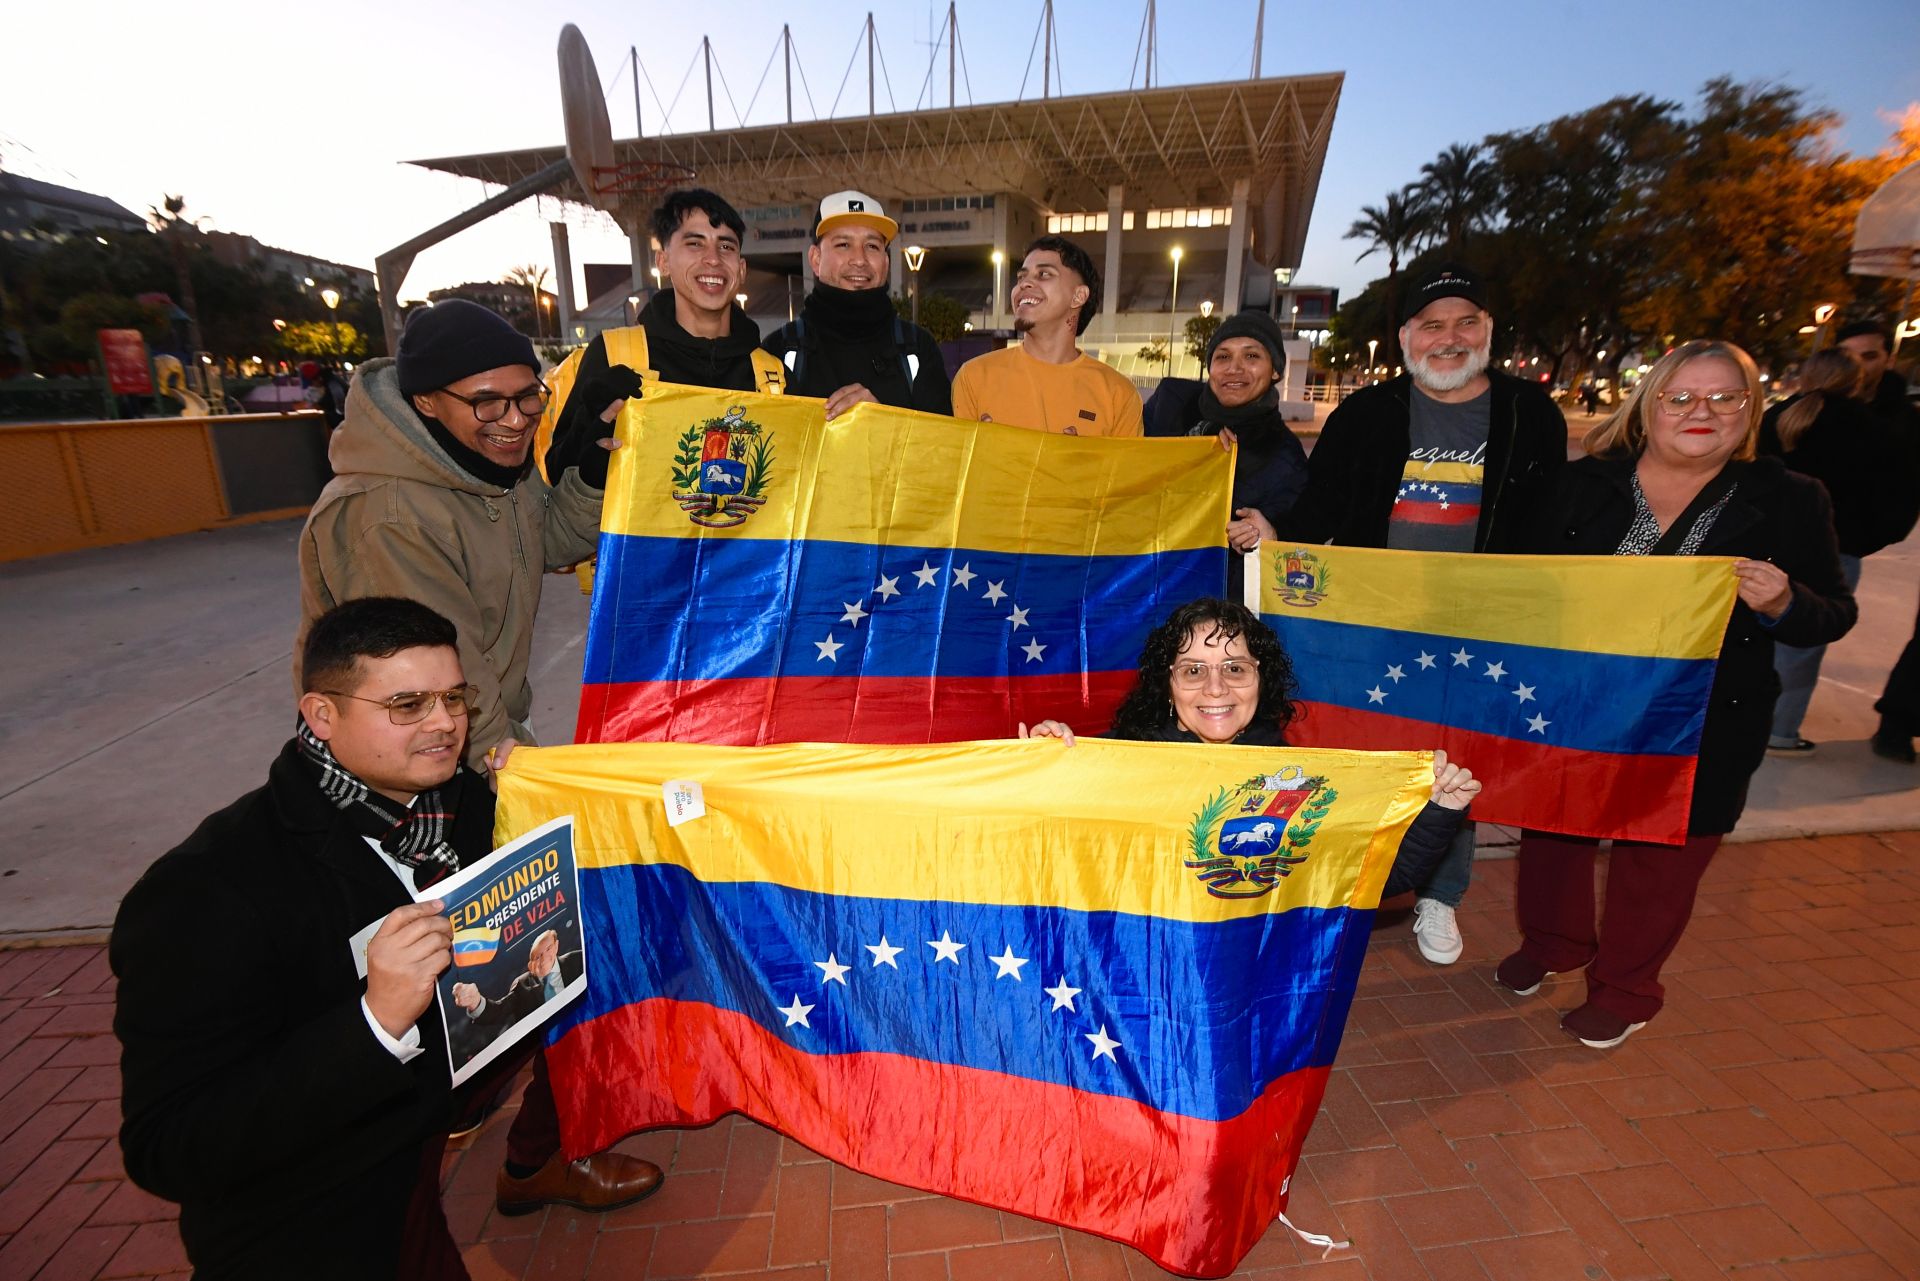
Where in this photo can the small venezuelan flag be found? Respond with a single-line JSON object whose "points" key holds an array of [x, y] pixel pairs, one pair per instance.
{"points": [[767, 576], [1575, 687], [475, 946], [1099, 985]]}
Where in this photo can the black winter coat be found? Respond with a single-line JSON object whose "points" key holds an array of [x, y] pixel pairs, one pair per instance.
{"points": [[1773, 515], [1355, 469], [254, 1092], [1868, 471], [822, 357]]}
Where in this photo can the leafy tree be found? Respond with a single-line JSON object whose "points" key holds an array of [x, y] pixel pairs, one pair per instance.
{"points": [[1457, 190], [324, 340], [1154, 353], [943, 317], [181, 235], [1200, 331], [534, 278], [1397, 227]]}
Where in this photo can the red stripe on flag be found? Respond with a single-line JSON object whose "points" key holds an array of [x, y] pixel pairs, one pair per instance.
{"points": [[1194, 1196], [1419, 513], [1556, 789], [844, 709]]}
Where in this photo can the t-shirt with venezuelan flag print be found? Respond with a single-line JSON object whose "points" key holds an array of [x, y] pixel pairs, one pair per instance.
{"points": [[1437, 508]]}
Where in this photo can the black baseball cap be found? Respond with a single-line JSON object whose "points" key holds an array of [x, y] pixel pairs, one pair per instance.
{"points": [[1443, 280]]}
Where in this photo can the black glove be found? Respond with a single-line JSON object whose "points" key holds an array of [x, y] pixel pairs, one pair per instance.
{"points": [[577, 436]]}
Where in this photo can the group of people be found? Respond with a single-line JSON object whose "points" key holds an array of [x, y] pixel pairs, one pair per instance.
{"points": [[462, 476]]}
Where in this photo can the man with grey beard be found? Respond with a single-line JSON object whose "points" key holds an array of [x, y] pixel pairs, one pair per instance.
{"points": [[1450, 456]]}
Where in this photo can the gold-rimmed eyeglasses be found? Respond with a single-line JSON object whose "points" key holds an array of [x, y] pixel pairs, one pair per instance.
{"points": [[415, 706], [1722, 404], [1235, 673]]}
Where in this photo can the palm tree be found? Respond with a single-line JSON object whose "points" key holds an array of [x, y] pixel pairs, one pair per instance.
{"points": [[175, 229], [1456, 188], [534, 277], [1397, 227]]}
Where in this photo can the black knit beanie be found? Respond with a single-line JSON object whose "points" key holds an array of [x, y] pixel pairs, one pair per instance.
{"points": [[1256, 325], [456, 339]]}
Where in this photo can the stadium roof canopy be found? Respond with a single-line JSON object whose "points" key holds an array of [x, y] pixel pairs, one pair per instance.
{"points": [[1171, 146]]}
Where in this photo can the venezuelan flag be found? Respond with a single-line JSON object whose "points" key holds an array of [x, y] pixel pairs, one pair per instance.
{"points": [[1574, 686], [476, 946], [1099, 985], [766, 576]]}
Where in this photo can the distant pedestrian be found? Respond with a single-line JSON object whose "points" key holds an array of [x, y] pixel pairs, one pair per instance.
{"points": [[1591, 395]]}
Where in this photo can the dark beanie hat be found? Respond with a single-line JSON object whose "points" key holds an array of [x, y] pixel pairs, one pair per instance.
{"points": [[1257, 325], [456, 339]]}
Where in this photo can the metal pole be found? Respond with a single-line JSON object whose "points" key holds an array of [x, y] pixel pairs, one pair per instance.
{"points": [[786, 37], [706, 49], [1046, 53], [953, 41], [633, 52], [869, 62], [1259, 30], [1173, 314], [1153, 25]]}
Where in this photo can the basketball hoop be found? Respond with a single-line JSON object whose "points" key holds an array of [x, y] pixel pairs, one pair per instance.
{"points": [[616, 187]]}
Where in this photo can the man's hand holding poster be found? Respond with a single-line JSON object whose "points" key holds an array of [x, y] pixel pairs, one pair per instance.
{"points": [[518, 954]]}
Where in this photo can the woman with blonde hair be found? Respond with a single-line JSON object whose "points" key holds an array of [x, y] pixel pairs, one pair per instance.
{"points": [[1829, 433], [1673, 473]]}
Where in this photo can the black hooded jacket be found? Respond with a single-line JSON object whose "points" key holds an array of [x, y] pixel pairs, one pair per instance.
{"points": [[849, 336], [680, 357]]}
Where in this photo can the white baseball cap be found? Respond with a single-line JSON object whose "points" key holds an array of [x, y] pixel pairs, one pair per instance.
{"points": [[855, 207]]}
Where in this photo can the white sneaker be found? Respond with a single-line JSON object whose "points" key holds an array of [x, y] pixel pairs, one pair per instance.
{"points": [[1436, 931]]}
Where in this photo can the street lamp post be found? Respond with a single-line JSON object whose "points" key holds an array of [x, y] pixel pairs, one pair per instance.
{"points": [[331, 297], [1282, 277], [1173, 304], [1371, 344], [915, 255], [999, 261], [1295, 331]]}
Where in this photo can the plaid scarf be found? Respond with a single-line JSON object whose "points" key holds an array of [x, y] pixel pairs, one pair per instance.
{"points": [[414, 836]]}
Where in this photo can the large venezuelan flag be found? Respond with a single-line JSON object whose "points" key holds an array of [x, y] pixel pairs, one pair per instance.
{"points": [[1099, 985], [766, 576], [1575, 687]]}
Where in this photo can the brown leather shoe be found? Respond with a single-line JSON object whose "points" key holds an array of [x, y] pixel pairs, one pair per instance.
{"points": [[603, 1181]]}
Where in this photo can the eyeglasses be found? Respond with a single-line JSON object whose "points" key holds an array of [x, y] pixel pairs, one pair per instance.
{"points": [[1235, 673], [412, 708], [491, 409], [1724, 404]]}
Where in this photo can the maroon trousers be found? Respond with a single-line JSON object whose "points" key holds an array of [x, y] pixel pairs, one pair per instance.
{"points": [[1650, 894]]}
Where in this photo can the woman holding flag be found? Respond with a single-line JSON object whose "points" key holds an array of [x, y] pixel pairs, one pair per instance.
{"points": [[1673, 472]]}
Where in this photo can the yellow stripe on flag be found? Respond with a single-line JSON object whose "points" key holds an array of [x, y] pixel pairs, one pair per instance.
{"points": [[1646, 606], [878, 467], [1100, 826]]}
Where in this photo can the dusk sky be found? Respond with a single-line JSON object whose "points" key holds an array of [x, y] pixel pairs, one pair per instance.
{"points": [[295, 129]]}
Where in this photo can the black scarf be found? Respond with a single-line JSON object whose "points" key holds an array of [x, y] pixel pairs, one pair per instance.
{"points": [[1214, 415], [471, 461], [415, 836], [853, 313]]}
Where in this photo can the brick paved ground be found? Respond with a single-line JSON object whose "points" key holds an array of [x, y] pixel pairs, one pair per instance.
{"points": [[1765, 1126]]}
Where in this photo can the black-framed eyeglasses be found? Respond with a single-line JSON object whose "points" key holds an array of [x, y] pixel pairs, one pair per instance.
{"points": [[492, 408], [414, 707], [1723, 404]]}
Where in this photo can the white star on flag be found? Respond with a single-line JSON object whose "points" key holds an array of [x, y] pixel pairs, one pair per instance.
{"points": [[1376, 695], [1524, 693], [1102, 1043], [1008, 964], [1425, 660], [832, 971], [945, 950], [1034, 649], [796, 1013], [888, 588], [884, 954], [995, 593], [1062, 995], [854, 613], [1496, 670], [829, 649], [1537, 723], [1461, 658], [1018, 618], [927, 575], [1396, 673], [964, 576]]}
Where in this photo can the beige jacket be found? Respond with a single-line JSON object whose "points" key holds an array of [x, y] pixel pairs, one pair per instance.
{"points": [[400, 519]]}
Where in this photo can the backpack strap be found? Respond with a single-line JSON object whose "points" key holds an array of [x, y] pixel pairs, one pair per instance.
{"points": [[624, 346]]}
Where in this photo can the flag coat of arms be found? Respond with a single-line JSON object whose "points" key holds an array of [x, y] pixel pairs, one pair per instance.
{"points": [[1574, 687], [1098, 985], [767, 576]]}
